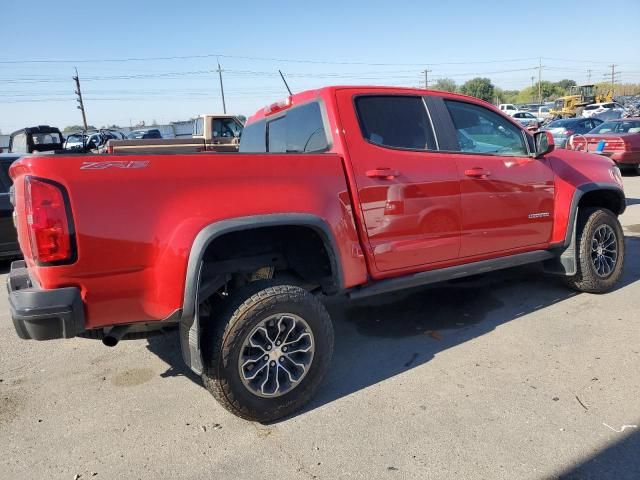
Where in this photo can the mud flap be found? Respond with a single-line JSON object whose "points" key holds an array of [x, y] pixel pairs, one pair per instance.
{"points": [[566, 264], [190, 327]]}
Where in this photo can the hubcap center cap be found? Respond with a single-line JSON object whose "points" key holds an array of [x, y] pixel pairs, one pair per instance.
{"points": [[275, 354]]}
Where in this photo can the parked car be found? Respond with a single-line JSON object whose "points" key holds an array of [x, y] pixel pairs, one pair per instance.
{"points": [[42, 138], [91, 140], [621, 141], [508, 108], [599, 108], [562, 129], [9, 247], [144, 134], [526, 119], [240, 249], [543, 113]]}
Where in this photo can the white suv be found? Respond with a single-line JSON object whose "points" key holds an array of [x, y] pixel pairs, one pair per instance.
{"points": [[597, 108], [508, 108]]}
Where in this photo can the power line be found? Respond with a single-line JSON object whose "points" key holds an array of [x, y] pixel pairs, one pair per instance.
{"points": [[241, 57]]}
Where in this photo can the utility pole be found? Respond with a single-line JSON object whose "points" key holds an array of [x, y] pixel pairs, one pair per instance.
{"points": [[540, 80], [426, 77], [532, 88], [79, 100], [613, 77], [224, 105]]}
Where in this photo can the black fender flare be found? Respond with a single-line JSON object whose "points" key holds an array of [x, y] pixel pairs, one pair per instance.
{"points": [[566, 262], [189, 321]]}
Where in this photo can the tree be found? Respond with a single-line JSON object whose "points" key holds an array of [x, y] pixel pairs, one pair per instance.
{"points": [[478, 87], [506, 96], [445, 85], [566, 84], [75, 128]]}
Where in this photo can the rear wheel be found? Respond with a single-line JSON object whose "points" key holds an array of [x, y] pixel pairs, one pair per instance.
{"points": [[600, 250], [267, 353]]}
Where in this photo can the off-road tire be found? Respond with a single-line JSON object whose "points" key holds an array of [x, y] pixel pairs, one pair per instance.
{"points": [[225, 333], [586, 278]]}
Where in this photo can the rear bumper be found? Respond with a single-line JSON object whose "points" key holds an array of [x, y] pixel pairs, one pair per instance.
{"points": [[41, 314]]}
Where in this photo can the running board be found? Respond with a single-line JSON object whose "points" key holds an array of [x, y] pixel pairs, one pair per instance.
{"points": [[450, 273]]}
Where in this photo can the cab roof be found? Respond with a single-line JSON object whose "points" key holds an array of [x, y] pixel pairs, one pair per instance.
{"points": [[307, 95]]}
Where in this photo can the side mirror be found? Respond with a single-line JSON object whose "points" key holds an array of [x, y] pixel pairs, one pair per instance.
{"points": [[543, 143]]}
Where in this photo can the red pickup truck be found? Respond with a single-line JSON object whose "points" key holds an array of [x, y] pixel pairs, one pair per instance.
{"points": [[349, 191]]}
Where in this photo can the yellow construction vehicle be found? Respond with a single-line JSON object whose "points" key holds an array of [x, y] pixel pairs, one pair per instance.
{"points": [[579, 96]]}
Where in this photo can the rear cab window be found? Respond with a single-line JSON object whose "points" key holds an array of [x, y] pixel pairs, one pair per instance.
{"points": [[300, 129]]}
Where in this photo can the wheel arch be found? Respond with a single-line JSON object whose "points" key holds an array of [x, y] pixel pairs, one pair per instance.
{"points": [[607, 195], [190, 332]]}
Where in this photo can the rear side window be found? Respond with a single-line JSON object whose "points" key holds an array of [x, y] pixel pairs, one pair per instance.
{"points": [[299, 130], [395, 121], [253, 139]]}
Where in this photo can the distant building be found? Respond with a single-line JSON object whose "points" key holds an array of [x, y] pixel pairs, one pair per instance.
{"points": [[4, 142]]}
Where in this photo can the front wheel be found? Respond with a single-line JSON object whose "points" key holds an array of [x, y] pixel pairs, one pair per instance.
{"points": [[267, 353], [600, 250]]}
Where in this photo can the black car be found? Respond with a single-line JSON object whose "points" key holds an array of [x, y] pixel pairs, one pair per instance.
{"points": [[564, 128], [144, 134], [9, 247]]}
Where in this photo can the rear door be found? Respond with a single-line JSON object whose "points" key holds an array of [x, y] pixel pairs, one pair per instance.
{"points": [[506, 195], [409, 194]]}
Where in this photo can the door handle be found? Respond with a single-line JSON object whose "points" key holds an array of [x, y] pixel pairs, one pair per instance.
{"points": [[383, 172], [477, 172]]}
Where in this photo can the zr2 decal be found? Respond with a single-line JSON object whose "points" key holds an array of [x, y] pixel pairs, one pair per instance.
{"points": [[114, 164]]}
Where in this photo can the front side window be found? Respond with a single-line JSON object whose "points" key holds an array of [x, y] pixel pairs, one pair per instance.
{"points": [[395, 121], [225, 128], [479, 130]]}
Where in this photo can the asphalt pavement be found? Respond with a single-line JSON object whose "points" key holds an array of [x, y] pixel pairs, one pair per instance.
{"points": [[504, 376]]}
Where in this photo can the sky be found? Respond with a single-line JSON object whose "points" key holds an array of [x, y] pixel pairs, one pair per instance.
{"points": [[156, 60]]}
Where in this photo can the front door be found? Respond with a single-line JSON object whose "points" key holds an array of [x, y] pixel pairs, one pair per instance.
{"points": [[409, 194], [507, 195]]}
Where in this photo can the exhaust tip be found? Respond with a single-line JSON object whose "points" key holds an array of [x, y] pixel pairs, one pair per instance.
{"points": [[110, 341], [114, 336]]}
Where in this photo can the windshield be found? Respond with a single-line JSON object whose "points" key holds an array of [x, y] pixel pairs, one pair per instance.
{"points": [[559, 104], [75, 138], [627, 126]]}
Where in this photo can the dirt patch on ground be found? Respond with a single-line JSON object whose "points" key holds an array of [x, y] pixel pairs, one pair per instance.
{"points": [[132, 377], [10, 405]]}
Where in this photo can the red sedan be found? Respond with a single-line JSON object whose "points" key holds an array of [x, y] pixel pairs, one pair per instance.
{"points": [[621, 141]]}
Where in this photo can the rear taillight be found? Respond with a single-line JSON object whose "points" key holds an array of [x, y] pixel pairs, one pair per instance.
{"points": [[48, 219]]}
